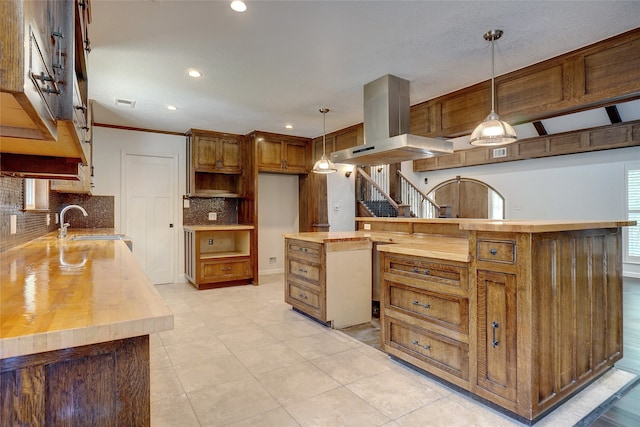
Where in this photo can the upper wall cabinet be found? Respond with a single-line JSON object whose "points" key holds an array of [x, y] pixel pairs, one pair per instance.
{"points": [[213, 164], [282, 153], [43, 91], [215, 152]]}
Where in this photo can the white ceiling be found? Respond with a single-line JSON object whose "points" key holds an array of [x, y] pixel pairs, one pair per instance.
{"points": [[280, 61]]}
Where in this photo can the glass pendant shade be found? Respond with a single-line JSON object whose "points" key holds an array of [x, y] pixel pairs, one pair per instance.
{"points": [[324, 165], [493, 131]]}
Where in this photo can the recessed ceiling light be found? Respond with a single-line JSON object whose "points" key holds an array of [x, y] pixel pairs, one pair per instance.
{"points": [[238, 6], [195, 73], [172, 107], [288, 126]]}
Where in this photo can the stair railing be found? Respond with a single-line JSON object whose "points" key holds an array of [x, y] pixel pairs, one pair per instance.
{"points": [[421, 205], [368, 189]]}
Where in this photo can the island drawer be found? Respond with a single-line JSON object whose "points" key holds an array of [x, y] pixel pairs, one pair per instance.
{"points": [[436, 350], [449, 311], [503, 251], [225, 270], [308, 272], [447, 275], [304, 299], [305, 250]]}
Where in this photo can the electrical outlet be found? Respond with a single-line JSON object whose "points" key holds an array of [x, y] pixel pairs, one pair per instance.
{"points": [[56, 217], [213, 216], [211, 241], [48, 219], [367, 226], [186, 204]]}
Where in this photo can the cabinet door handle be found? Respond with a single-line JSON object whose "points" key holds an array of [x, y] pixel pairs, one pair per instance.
{"points": [[493, 251], [422, 305], [494, 326], [426, 346]]}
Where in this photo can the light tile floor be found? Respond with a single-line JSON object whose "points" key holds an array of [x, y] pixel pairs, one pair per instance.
{"points": [[240, 356]]}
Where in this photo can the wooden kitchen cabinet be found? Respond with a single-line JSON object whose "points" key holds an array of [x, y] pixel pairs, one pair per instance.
{"points": [[282, 154], [213, 152], [218, 255], [44, 88], [329, 280], [531, 317], [214, 162], [424, 314]]}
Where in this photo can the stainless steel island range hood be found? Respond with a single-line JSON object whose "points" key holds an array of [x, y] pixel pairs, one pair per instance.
{"points": [[386, 128]]}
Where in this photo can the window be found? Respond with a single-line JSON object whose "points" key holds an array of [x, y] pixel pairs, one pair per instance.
{"points": [[632, 234], [36, 194]]}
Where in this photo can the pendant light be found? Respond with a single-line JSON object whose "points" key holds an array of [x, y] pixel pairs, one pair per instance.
{"points": [[324, 165], [493, 131]]}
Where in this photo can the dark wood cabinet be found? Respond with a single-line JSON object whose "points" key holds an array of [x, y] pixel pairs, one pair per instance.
{"points": [[214, 162], [497, 364], [104, 384], [526, 322], [44, 86], [216, 153], [282, 154]]}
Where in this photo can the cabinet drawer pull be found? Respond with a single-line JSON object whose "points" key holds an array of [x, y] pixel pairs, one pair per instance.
{"points": [[493, 251], [303, 296], [416, 270], [302, 271], [426, 346], [494, 326], [422, 305], [226, 268]]}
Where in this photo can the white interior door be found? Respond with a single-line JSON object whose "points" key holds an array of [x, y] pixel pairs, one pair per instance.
{"points": [[148, 212]]}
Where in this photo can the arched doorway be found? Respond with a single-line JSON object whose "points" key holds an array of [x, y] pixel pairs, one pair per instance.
{"points": [[468, 198]]}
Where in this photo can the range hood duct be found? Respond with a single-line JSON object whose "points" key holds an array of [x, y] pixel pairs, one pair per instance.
{"points": [[386, 128]]}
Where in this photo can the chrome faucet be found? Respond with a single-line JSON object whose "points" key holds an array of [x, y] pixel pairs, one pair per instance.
{"points": [[64, 225]]}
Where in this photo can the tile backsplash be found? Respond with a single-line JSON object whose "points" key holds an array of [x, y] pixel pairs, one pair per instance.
{"points": [[198, 211], [33, 224]]}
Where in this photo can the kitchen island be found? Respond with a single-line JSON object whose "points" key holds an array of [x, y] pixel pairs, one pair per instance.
{"points": [[75, 319], [520, 314]]}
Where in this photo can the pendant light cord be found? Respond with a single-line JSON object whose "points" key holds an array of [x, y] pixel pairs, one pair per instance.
{"points": [[493, 87]]}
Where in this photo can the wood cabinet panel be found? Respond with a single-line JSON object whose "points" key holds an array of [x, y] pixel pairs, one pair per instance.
{"points": [[213, 271], [311, 299], [615, 68], [579, 343], [449, 311], [219, 256], [282, 153], [497, 346], [103, 384], [531, 91], [439, 351]]}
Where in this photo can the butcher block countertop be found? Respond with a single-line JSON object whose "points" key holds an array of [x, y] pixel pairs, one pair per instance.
{"points": [[507, 225], [62, 293], [218, 227]]}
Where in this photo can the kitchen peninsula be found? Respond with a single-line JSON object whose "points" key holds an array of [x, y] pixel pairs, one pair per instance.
{"points": [[74, 333], [521, 314]]}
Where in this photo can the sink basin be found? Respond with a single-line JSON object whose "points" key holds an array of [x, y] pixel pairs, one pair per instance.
{"points": [[98, 237]]}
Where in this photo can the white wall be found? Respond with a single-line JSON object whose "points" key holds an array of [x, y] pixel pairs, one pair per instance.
{"points": [[587, 186], [277, 214], [341, 199], [110, 144]]}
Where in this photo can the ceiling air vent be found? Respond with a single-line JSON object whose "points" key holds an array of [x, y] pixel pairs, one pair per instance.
{"points": [[125, 102]]}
